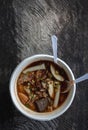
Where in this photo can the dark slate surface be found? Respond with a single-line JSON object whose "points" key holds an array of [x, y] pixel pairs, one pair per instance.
{"points": [[25, 29]]}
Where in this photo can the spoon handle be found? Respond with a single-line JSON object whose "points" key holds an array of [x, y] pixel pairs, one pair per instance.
{"points": [[54, 46], [82, 78]]}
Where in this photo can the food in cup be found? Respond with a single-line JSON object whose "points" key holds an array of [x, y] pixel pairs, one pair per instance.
{"points": [[42, 116], [40, 86]]}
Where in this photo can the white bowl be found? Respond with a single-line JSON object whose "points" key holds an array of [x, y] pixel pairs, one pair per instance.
{"points": [[29, 113]]}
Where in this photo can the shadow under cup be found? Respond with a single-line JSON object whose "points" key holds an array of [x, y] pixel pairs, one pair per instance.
{"points": [[26, 111]]}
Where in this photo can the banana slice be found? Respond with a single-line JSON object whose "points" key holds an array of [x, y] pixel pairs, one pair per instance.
{"points": [[34, 68], [56, 74], [51, 89]]}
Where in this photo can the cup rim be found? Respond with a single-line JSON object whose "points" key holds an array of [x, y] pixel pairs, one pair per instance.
{"points": [[36, 115]]}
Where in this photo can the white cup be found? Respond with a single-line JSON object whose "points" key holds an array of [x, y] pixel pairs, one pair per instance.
{"points": [[26, 111]]}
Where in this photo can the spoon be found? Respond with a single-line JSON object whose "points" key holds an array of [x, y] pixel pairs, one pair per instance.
{"points": [[69, 83], [54, 47]]}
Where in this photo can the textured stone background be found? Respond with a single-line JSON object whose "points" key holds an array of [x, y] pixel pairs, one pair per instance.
{"points": [[25, 29]]}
